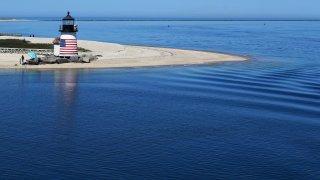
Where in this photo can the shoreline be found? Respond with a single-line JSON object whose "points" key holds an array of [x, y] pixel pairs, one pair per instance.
{"points": [[17, 20], [124, 56]]}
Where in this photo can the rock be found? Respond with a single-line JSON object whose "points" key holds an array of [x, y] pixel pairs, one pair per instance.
{"points": [[86, 59]]}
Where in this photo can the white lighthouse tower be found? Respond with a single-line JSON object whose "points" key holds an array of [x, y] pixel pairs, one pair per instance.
{"points": [[68, 38]]}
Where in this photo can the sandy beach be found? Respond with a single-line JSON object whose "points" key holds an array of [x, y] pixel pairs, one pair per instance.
{"points": [[118, 56]]}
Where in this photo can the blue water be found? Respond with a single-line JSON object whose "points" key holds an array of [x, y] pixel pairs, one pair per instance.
{"points": [[245, 120]]}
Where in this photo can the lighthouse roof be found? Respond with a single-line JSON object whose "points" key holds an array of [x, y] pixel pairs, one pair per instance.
{"points": [[68, 17], [56, 40]]}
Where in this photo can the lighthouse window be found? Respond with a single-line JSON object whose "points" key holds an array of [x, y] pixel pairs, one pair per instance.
{"points": [[68, 22]]}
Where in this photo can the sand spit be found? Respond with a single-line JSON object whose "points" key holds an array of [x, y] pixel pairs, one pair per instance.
{"points": [[121, 56]]}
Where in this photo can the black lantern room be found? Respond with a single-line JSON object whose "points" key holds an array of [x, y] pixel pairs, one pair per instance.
{"points": [[68, 24]]}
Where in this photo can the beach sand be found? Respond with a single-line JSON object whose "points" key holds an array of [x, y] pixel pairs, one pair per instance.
{"points": [[119, 56]]}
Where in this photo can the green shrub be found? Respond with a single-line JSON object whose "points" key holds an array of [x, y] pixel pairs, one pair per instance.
{"points": [[18, 43], [22, 43]]}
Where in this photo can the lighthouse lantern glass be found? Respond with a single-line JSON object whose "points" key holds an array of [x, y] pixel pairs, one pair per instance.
{"points": [[68, 22]]}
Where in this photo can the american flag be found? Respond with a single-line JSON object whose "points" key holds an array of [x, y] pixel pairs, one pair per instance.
{"points": [[68, 47]]}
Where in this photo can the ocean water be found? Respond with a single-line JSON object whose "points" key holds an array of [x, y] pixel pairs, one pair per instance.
{"points": [[258, 119]]}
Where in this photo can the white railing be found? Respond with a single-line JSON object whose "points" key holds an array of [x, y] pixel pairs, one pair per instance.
{"points": [[24, 51]]}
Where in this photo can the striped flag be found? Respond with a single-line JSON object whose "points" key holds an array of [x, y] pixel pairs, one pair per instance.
{"points": [[68, 47]]}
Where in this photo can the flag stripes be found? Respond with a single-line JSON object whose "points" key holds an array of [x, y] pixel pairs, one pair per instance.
{"points": [[68, 47]]}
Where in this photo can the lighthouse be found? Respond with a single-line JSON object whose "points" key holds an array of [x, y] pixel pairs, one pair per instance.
{"points": [[68, 37]]}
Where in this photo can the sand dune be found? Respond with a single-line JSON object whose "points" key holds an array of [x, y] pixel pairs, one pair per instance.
{"points": [[117, 55]]}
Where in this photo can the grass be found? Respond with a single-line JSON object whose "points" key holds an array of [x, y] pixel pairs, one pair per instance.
{"points": [[80, 49], [7, 19], [15, 35], [18, 43]]}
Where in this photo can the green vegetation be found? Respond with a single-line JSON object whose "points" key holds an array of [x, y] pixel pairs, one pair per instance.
{"points": [[7, 19], [15, 35], [80, 49], [18, 43]]}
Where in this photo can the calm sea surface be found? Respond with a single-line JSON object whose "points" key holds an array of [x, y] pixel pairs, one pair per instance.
{"points": [[246, 120]]}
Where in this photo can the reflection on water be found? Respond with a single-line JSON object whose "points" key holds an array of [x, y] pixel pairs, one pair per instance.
{"points": [[65, 92], [66, 86], [64, 81]]}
